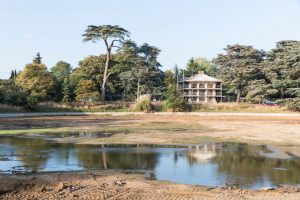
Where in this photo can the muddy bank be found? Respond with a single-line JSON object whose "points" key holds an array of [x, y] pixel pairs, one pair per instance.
{"points": [[280, 131], [160, 129], [119, 185]]}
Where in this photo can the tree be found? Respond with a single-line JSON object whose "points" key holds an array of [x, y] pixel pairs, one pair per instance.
{"points": [[86, 91], [13, 74], [139, 71], [174, 100], [150, 77], [37, 59], [239, 66], [61, 71], [67, 92], [105, 32], [92, 68], [259, 90], [282, 68], [195, 65], [169, 78], [11, 94], [36, 80]]}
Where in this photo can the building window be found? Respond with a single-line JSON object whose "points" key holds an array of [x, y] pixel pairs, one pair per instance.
{"points": [[194, 85], [218, 85], [210, 85], [201, 85], [209, 99], [201, 93], [201, 98], [210, 92], [194, 98]]}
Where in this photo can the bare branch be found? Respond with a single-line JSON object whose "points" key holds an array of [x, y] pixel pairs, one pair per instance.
{"points": [[113, 41]]}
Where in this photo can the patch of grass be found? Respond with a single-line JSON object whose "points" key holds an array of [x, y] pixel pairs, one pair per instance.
{"points": [[111, 140], [65, 129], [194, 140], [34, 130]]}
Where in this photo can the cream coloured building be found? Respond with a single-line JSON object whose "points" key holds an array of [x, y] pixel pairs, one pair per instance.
{"points": [[201, 88]]}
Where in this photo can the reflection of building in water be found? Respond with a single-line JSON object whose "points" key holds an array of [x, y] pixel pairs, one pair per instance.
{"points": [[203, 153]]}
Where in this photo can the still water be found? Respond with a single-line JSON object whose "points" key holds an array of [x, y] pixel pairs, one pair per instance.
{"points": [[214, 164]]}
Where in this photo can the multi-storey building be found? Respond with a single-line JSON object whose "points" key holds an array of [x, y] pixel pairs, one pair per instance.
{"points": [[201, 88]]}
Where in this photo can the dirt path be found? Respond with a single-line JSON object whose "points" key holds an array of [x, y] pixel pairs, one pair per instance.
{"points": [[104, 185]]}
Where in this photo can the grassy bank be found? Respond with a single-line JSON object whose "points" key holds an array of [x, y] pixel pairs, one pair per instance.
{"points": [[157, 107]]}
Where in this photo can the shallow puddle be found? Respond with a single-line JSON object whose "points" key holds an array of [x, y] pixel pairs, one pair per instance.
{"points": [[214, 164]]}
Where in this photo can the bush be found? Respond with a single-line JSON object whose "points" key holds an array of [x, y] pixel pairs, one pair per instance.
{"points": [[174, 101], [294, 104], [31, 103], [176, 104], [143, 103], [86, 91]]}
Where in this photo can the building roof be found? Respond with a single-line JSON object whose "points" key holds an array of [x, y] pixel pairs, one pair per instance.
{"points": [[201, 77]]}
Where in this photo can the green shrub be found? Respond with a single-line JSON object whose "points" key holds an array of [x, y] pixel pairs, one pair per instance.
{"points": [[31, 103], [294, 104], [174, 101]]}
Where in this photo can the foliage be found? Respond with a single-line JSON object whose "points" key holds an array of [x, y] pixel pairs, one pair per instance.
{"points": [[31, 103], [294, 104], [67, 94], [36, 80], [37, 59], [61, 72], [140, 73], [86, 91], [105, 32], [91, 68], [11, 94], [282, 69], [143, 103], [195, 65], [13, 74], [259, 90], [239, 66], [174, 101]]}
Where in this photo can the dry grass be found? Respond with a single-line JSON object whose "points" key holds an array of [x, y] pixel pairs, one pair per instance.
{"points": [[9, 109], [241, 107]]}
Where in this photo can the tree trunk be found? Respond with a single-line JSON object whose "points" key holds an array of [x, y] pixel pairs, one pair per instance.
{"points": [[138, 88], [105, 76], [238, 97]]}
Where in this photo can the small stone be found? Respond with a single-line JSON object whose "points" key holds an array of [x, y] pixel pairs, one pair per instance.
{"points": [[60, 187], [267, 188], [120, 183]]}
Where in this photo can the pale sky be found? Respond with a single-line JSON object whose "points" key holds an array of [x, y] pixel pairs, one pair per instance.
{"points": [[180, 28]]}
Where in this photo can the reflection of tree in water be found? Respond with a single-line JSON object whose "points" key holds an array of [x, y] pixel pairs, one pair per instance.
{"points": [[32, 152], [242, 162], [134, 158]]}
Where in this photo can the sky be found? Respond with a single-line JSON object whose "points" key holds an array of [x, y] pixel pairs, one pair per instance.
{"points": [[180, 28]]}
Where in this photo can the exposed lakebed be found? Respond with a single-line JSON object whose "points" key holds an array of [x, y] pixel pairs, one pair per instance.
{"points": [[211, 164]]}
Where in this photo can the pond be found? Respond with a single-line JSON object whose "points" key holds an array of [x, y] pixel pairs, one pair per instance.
{"points": [[213, 164]]}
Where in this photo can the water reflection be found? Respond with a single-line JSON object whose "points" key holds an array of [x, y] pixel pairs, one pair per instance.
{"points": [[212, 164]]}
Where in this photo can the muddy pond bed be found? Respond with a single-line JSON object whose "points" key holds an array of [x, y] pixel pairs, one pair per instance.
{"points": [[211, 164]]}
